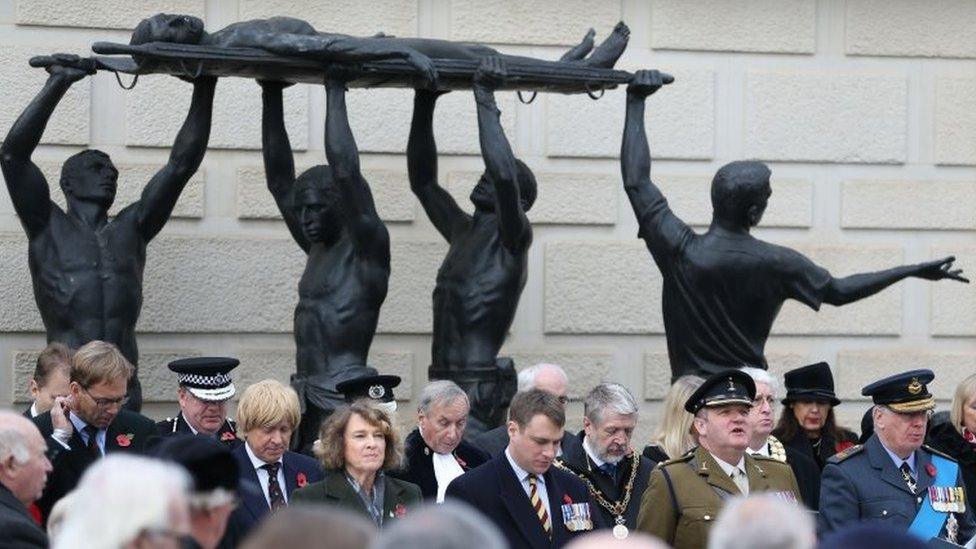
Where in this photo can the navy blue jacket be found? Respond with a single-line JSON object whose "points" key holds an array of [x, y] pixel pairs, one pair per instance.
{"points": [[494, 490], [419, 463], [254, 506], [862, 484]]}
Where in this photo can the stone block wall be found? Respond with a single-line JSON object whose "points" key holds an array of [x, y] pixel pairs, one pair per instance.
{"points": [[864, 109]]}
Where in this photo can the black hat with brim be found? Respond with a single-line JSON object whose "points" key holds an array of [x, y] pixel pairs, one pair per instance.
{"points": [[378, 388], [812, 382], [905, 393], [722, 389]]}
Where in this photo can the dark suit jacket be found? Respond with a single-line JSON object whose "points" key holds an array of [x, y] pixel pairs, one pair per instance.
{"points": [[254, 506], [335, 490], [178, 425], [19, 531], [27, 411], [70, 464], [494, 490], [419, 467], [863, 485], [495, 441], [576, 460]]}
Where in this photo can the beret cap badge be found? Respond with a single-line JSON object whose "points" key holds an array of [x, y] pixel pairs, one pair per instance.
{"points": [[376, 391], [915, 387]]}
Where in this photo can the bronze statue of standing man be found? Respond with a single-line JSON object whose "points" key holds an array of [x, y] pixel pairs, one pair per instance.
{"points": [[86, 269], [330, 213], [482, 276], [724, 288]]}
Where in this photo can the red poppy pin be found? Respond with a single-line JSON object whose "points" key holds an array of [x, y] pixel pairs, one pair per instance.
{"points": [[301, 480], [930, 469], [124, 440], [227, 436], [461, 462], [843, 445], [400, 510], [567, 500]]}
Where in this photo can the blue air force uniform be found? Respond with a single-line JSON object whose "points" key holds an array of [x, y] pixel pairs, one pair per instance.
{"points": [[870, 483]]}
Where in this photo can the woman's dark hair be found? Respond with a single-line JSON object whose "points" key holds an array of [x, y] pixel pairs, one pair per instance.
{"points": [[788, 426]]}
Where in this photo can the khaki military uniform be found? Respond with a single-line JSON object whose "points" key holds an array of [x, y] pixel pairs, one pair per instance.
{"points": [[685, 495]]}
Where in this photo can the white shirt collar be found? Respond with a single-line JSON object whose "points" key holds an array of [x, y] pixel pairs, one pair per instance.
{"points": [[79, 423], [33, 409], [762, 451], [589, 452], [729, 469], [255, 460], [521, 473]]}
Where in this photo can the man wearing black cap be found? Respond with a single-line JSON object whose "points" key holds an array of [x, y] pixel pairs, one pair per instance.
{"points": [[685, 495], [205, 388], [893, 479], [215, 483]]}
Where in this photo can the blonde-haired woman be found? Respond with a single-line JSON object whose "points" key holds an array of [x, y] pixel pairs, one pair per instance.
{"points": [[357, 445], [267, 415], [958, 437], [674, 436]]}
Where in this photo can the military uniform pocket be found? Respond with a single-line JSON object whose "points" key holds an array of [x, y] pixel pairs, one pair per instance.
{"points": [[885, 510]]}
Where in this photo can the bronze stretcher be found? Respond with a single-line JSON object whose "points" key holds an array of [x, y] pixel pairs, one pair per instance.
{"points": [[189, 61]]}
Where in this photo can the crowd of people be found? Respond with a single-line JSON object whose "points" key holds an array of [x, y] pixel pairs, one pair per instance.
{"points": [[78, 470]]}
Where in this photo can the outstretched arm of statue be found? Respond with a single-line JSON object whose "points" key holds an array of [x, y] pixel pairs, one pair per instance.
{"points": [[440, 206], [658, 225], [349, 49], [279, 162], [498, 156], [343, 155], [841, 291], [163, 190], [25, 182]]}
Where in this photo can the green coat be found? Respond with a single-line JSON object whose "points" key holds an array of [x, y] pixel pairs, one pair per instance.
{"points": [[682, 514], [335, 490]]}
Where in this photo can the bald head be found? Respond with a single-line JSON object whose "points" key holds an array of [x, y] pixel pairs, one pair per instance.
{"points": [[550, 378], [603, 539], [23, 464]]}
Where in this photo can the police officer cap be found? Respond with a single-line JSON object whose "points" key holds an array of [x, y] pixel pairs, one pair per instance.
{"points": [[378, 388], [206, 377], [210, 463], [722, 388], [905, 393]]}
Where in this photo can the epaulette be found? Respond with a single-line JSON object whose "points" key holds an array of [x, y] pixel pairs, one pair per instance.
{"points": [[169, 419], [683, 459], [760, 457], [846, 453], [938, 452]]}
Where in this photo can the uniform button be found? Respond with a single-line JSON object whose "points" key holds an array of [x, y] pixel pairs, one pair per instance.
{"points": [[885, 512], [707, 517], [918, 500]]}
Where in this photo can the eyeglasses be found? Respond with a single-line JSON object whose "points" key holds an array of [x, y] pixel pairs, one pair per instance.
{"points": [[106, 402]]}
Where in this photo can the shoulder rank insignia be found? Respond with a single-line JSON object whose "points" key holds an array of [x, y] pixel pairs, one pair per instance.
{"points": [[683, 459], [846, 453], [938, 452]]}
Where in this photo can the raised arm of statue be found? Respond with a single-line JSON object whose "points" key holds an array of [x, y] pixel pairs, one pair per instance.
{"points": [[360, 214], [841, 291], [498, 157], [163, 190], [279, 161], [440, 206], [659, 227], [27, 186]]}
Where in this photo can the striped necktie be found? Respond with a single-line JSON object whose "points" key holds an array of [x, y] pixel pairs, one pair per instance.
{"points": [[540, 508]]}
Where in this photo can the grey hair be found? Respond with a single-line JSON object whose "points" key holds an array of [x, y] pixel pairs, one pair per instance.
{"points": [[13, 439], [759, 375], [609, 396], [526, 378], [452, 525], [762, 521], [120, 497], [439, 391]]}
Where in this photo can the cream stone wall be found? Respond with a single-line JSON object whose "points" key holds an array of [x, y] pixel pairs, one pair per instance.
{"points": [[865, 110]]}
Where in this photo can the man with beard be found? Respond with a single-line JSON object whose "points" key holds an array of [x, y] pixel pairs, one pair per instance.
{"points": [[86, 269], [435, 453], [205, 389], [893, 479], [602, 457], [762, 417], [330, 213], [685, 495]]}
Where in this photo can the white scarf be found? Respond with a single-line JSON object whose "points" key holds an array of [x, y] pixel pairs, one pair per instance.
{"points": [[446, 469]]}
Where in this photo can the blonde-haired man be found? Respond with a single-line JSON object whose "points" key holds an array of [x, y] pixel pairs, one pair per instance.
{"points": [[267, 415], [90, 421]]}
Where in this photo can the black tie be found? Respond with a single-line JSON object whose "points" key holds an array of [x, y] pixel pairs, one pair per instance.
{"points": [[274, 489], [610, 469], [92, 433], [906, 473]]}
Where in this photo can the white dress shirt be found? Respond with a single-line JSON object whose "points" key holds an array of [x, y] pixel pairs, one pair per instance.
{"points": [[762, 451], [33, 409], [263, 474], [446, 469], [540, 484], [736, 472]]}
